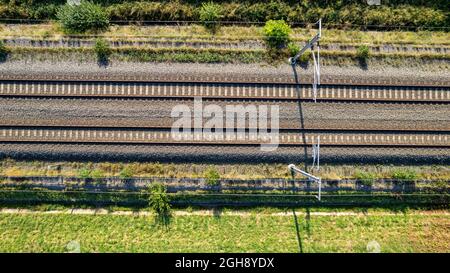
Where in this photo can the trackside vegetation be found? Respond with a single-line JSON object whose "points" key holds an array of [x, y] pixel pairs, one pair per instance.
{"points": [[4, 51], [81, 18], [277, 34], [340, 14], [10, 167]]}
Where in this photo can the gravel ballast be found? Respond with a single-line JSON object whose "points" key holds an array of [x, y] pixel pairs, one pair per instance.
{"points": [[226, 72], [221, 154], [157, 113]]}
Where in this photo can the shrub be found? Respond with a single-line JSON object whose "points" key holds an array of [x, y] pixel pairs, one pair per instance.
{"points": [[14, 12], [293, 49], [102, 50], [212, 176], [43, 12], [126, 173], [210, 14], [365, 178], [4, 51], [84, 173], [409, 175], [276, 33], [84, 17], [363, 52], [305, 57], [159, 202], [152, 11]]}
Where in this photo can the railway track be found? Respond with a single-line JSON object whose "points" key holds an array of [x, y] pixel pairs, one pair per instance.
{"points": [[212, 90], [165, 136], [214, 77]]}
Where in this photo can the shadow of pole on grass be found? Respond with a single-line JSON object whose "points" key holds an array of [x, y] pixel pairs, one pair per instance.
{"points": [[297, 228]]}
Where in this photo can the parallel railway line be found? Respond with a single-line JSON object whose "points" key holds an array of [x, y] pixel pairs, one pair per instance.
{"points": [[284, 126], [242, 78], [211, 90], [165, 136]]}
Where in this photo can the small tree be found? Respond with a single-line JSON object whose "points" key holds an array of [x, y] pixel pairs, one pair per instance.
{"points": [[159, 202], [102, 50], [210, 14], [212, 176], [276, 33], [4, 51], [86, 16], [84, 173], [363, 52]]}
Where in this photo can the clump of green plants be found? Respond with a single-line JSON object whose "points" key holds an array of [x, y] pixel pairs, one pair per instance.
{"points": [[305, 57], [212, 176], [210, 14], [363, 52], [276, 34], [365, 178], [126, 173], [159, 202], [293, 49], [4, 51], [102, 50], [84, 17], [84, 173], [405, 175]]}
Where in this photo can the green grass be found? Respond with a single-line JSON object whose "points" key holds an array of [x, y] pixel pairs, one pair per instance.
{"points": [[252, 232]]}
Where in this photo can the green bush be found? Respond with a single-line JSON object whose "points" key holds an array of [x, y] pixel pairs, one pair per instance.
{"points": [[212, 176], [45, 12], [14, 12], [152, 11], [103, 50], [84, 17], [4, 51], [363, 52], [159, 202], [276, 33], [210, 14], [305, 57], [293, 49], [84, 173], [366, 178], [402, 174]]}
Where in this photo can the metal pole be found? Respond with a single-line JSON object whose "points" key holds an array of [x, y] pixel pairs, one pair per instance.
{"points": [[320, 188], [318, 153], [310, 176]]}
